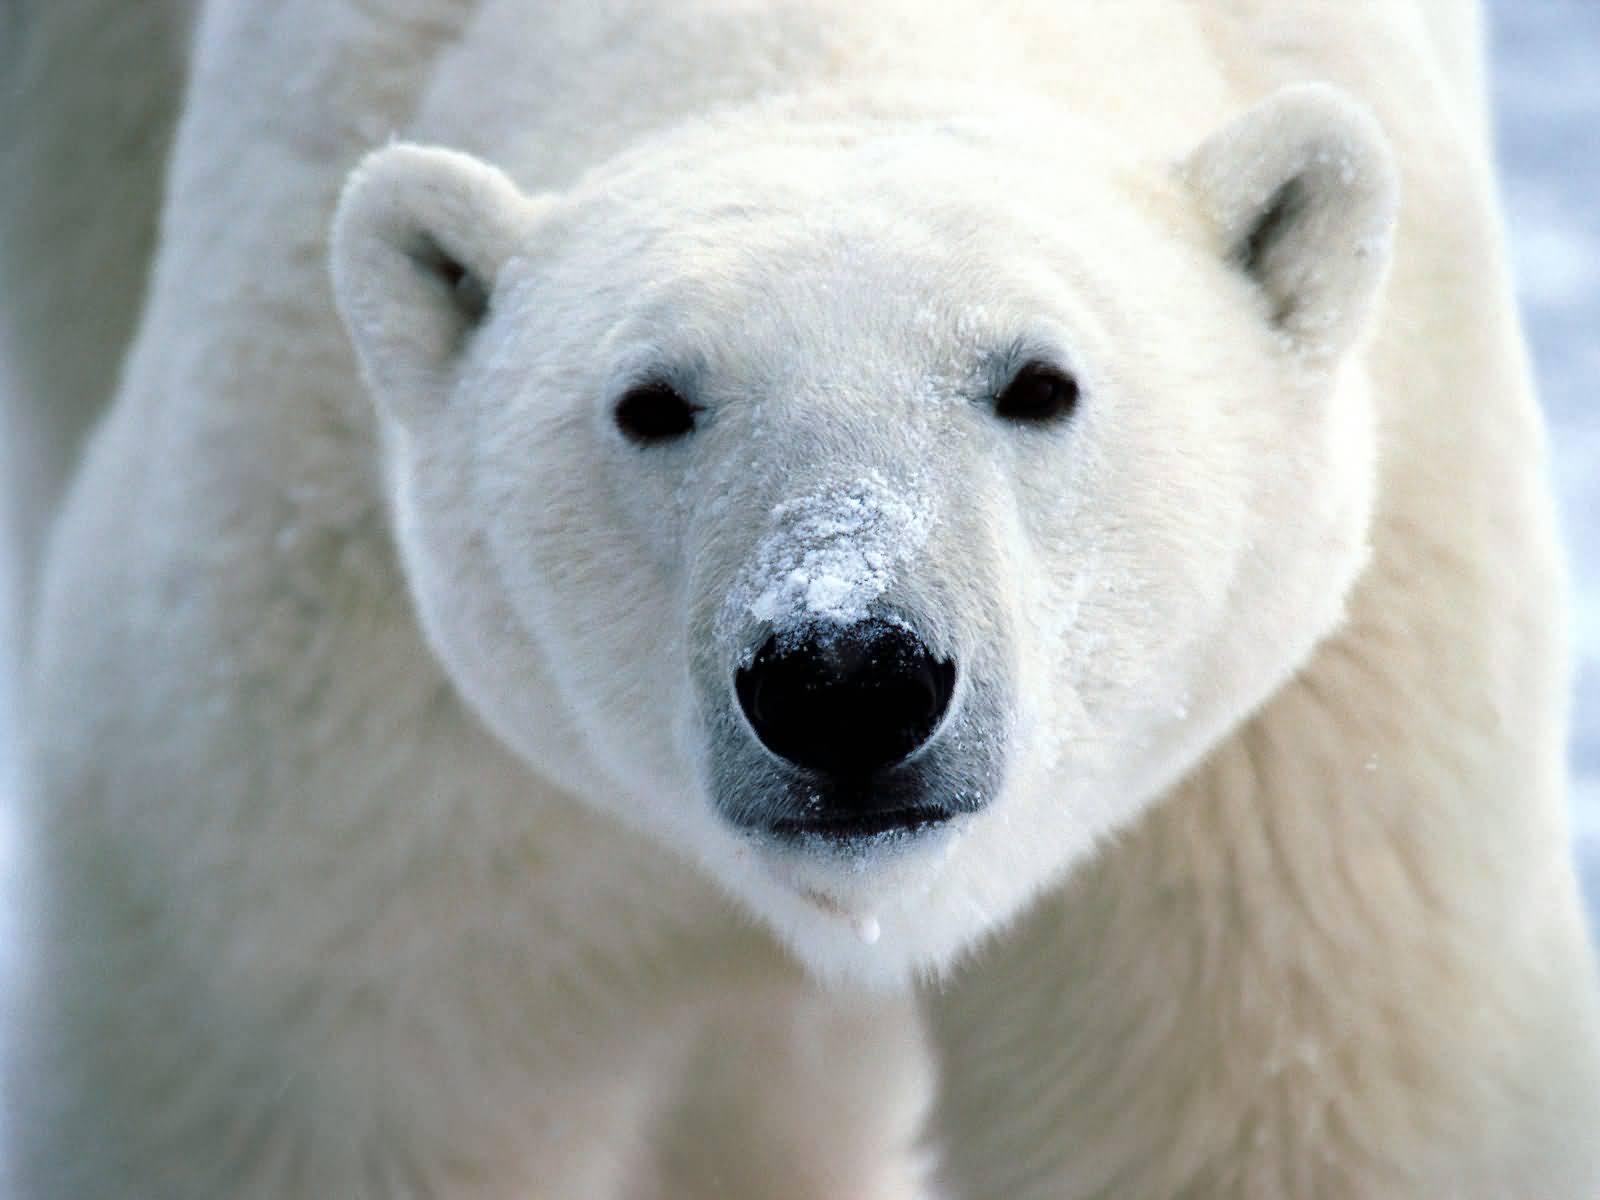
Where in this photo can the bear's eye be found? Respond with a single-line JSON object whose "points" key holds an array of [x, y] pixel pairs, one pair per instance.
{"points": [[654, 412], [1036, 394]]}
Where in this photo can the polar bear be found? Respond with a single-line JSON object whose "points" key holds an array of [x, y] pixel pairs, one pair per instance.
{"points": [[805, 599]]}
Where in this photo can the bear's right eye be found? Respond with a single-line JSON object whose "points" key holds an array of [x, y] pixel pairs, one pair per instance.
{"points": [[1037, 394], [654, 412]]}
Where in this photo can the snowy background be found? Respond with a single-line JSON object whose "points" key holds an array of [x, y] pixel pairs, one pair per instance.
{"points": [[1547, 111], [1547, 101]]}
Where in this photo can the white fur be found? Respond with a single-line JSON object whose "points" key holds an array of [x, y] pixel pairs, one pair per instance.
{"points": [[372, 723]]}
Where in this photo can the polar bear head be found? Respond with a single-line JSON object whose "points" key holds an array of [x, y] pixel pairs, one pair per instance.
{"points": [[877, 510]]}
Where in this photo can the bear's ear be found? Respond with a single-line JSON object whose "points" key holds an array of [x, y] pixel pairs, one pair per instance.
{"points": [[420, 236], [1303, 193]]}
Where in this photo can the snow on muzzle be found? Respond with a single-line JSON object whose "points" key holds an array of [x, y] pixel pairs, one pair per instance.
{"points": [[842, 721]]}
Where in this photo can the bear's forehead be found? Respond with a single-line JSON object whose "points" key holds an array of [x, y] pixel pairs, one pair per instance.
{"points": [[866, 255], [854, 248], [838, 300]]}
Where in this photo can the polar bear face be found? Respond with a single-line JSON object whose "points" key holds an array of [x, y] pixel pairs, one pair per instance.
{"points": [[877, 513]]}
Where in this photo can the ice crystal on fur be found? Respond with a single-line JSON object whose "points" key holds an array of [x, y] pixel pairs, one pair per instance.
{"points": [[833, 552]]}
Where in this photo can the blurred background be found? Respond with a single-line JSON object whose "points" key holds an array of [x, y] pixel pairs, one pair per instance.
{"points": [[1546, 61]]}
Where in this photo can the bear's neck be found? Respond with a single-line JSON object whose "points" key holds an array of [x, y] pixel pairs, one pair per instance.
{"points": [[1300, 957]]}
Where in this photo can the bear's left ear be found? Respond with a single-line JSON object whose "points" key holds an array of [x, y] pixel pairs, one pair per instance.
{"points": [[1303, 192], [419, 239]]}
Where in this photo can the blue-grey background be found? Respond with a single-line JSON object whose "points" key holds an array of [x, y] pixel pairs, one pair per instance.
{"points": [[1546, 61], [1546, 57]]}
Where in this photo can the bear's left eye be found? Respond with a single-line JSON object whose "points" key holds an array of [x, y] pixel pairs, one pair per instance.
{"points": [[1038, 393], [654, 412]]}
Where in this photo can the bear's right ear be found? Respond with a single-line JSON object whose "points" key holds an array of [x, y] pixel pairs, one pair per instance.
{"points": [[1303, 192], [419, 239]]}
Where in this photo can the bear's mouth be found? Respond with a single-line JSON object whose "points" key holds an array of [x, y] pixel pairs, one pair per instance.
{"points": [[860, 827]]}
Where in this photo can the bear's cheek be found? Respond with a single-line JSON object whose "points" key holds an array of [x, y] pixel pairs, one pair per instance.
{"points": [[1116, 590], [584, 594]]}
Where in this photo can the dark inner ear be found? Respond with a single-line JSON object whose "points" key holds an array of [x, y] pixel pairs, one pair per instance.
{"points": [[1276, 218], [466, 290]]}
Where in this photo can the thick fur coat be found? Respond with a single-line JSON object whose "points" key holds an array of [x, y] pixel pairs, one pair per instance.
{"points": [[397, 830]]}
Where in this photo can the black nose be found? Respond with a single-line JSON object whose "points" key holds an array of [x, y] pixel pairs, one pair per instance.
{"points": [[845, 702]]}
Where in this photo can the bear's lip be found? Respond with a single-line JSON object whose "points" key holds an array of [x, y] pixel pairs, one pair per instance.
{"points": [[860, 827]]}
